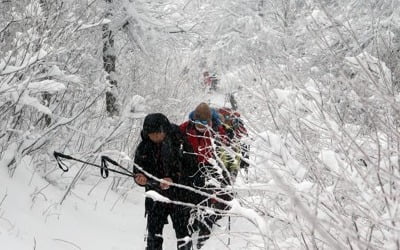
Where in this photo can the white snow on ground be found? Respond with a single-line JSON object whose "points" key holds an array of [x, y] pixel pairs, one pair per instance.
{"points": [[31, 215]]}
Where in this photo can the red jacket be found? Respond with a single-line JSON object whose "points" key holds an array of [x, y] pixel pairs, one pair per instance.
{"points": [[201, 142]]}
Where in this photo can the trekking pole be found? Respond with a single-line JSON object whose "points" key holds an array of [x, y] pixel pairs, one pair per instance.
{"points": [[105, 159], [229, 230], [104, 170]]}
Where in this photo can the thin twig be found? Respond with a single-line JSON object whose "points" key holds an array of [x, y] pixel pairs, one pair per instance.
{"points": [[68, 242]]}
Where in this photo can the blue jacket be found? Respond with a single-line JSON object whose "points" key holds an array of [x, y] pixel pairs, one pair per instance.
{"points": [[214, 117]]}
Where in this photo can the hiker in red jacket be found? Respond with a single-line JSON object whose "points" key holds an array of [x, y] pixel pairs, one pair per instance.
{"points": [[205, 137], [200, 133]]}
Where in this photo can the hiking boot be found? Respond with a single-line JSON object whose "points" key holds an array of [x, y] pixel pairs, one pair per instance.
{"points": [[204, 234]]}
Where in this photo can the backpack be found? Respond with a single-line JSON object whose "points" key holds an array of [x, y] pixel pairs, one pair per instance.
{"points": [[232, 118], [238, 130]]}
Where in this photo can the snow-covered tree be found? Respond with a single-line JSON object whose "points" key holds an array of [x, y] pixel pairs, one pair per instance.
{"points": [[317, 84]]}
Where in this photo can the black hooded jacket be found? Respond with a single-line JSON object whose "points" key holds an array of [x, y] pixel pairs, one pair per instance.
{"points": [[172, 158]]}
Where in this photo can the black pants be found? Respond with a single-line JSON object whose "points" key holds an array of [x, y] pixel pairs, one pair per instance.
{"points": [[205, 222], [157, 217], [204, 227]]}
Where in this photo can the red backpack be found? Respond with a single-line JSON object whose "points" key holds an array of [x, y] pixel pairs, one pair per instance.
{"points": [[232, 118]]}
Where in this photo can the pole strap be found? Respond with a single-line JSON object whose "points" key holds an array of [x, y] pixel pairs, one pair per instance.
{"points": [[104, 169]]}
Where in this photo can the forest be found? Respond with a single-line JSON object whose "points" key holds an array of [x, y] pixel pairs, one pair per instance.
{"points": [[317, 83]]}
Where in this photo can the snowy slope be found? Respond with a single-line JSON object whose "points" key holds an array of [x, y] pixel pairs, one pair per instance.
{"points": [[31, 215], [32, 218]]}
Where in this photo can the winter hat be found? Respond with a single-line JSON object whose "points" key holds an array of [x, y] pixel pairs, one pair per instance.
{"points": [[155, 122], [202, 112]]}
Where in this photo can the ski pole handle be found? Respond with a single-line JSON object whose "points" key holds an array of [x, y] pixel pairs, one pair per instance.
{"points": [[58, 154], [106, 158], [104, 169], [61, 165]]}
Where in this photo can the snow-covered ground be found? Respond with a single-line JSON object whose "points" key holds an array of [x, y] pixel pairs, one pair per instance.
{"points": [[31, 217]]}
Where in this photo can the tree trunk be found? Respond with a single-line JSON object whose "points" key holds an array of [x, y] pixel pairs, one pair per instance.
{"points": [[233, 101], [260, 8], [46, 96], [109, 59]]}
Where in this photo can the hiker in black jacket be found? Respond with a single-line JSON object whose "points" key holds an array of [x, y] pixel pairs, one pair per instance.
{"points": [[165, 154]]}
